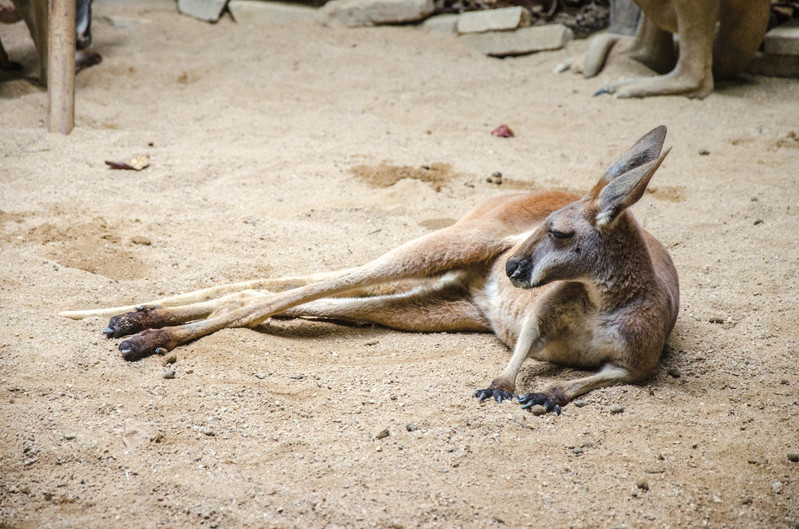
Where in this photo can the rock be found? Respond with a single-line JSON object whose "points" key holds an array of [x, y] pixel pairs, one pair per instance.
{"points": [[503, 19], [209, 10], [793, 458], [171, 359], [537, 410], [642, 484], [258, 12], [442, 23], [354, 13], [383, 434], [775, 65], [503, 131], [70, 437], [519, 42], [495, 178], [581, 403], [169, 374], [616, 409], [134, 435], [141, 240], [411, 427], [578, 451], [207, 431], [784, 39], [624, 15], [776, 487]]}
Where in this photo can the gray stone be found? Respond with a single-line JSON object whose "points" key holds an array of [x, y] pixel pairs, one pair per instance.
{"points": [[256, 12], [442, 23], [775, 65], [493, 20], [519, 42], [355, 13], [538, 410], [784, 39], [624, 15], [209, 10]]}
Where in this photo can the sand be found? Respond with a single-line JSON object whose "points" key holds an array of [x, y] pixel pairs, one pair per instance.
{"points": [[292, 149]]}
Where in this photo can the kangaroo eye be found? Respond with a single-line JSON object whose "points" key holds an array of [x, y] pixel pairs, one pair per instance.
{"points": [[555, 234]]}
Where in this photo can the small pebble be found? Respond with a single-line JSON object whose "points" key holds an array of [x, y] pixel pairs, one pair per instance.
{"points": [[538, 410], [642, 484], [169, 373], [674, 372], [411, 427], [171, 359], [495, 178], [758, 222], [581, 403], [143, 241], [793, 458], [578, 451], [703, 152], [207, 431], [616, 409], [777, 487], [383, 434], [70, 436]]}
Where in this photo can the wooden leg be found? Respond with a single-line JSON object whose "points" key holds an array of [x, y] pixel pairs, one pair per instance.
{"points": [[61, 66]]}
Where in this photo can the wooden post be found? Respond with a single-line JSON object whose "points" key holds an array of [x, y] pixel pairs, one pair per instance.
{"points": [[61, 66]]}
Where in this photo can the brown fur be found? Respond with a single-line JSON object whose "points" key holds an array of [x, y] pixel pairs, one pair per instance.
{"points": [[718, 38], [557, 278]]}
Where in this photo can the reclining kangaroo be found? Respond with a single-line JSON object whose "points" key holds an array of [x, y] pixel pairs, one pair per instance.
{"points": [[569, 280], [717, 38]]}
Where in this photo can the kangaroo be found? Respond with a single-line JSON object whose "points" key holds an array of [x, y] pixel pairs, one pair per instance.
{"points": [[717, 38], [559, 278]]}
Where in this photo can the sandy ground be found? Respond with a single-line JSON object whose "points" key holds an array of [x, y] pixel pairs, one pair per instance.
{"points": [[274, 151]]}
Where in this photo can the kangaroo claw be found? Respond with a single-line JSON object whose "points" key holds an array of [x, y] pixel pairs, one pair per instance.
{"points": [[536, 399], [498, 394]]}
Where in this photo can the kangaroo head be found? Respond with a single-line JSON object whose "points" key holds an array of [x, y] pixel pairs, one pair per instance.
{"points": [[579, 241]]}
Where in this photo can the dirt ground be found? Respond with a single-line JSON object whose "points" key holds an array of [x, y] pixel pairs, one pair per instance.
{"points": [[281, 150]]}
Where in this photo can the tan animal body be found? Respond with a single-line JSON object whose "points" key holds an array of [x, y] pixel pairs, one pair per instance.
{"points": [[717, 39], [569, 280]]}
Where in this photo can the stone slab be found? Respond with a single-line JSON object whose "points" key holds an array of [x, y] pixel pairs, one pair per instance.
{"points": [[783, 40], [442, 23], [506, 18], [775, 65], [257, 11], [519, 42], [354, 13], [208, 10]]}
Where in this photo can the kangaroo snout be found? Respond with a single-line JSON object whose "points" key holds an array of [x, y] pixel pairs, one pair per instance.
{"points": [[518, 271]]}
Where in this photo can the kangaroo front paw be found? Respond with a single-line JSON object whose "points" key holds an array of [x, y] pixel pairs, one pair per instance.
{"points": [[146, 343], [539, 399], [498, 394], [133, 322]]}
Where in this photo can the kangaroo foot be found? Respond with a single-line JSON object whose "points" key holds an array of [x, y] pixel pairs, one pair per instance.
{"points": [[133, 322], [146, 343], [497, 393], [535, 399]]}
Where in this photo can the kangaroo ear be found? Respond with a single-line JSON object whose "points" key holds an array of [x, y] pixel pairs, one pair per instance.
{"points": [[625, 190], [644, 151]]}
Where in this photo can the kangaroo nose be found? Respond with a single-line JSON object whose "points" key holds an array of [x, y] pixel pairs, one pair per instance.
{"points": [[513, 268]]}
